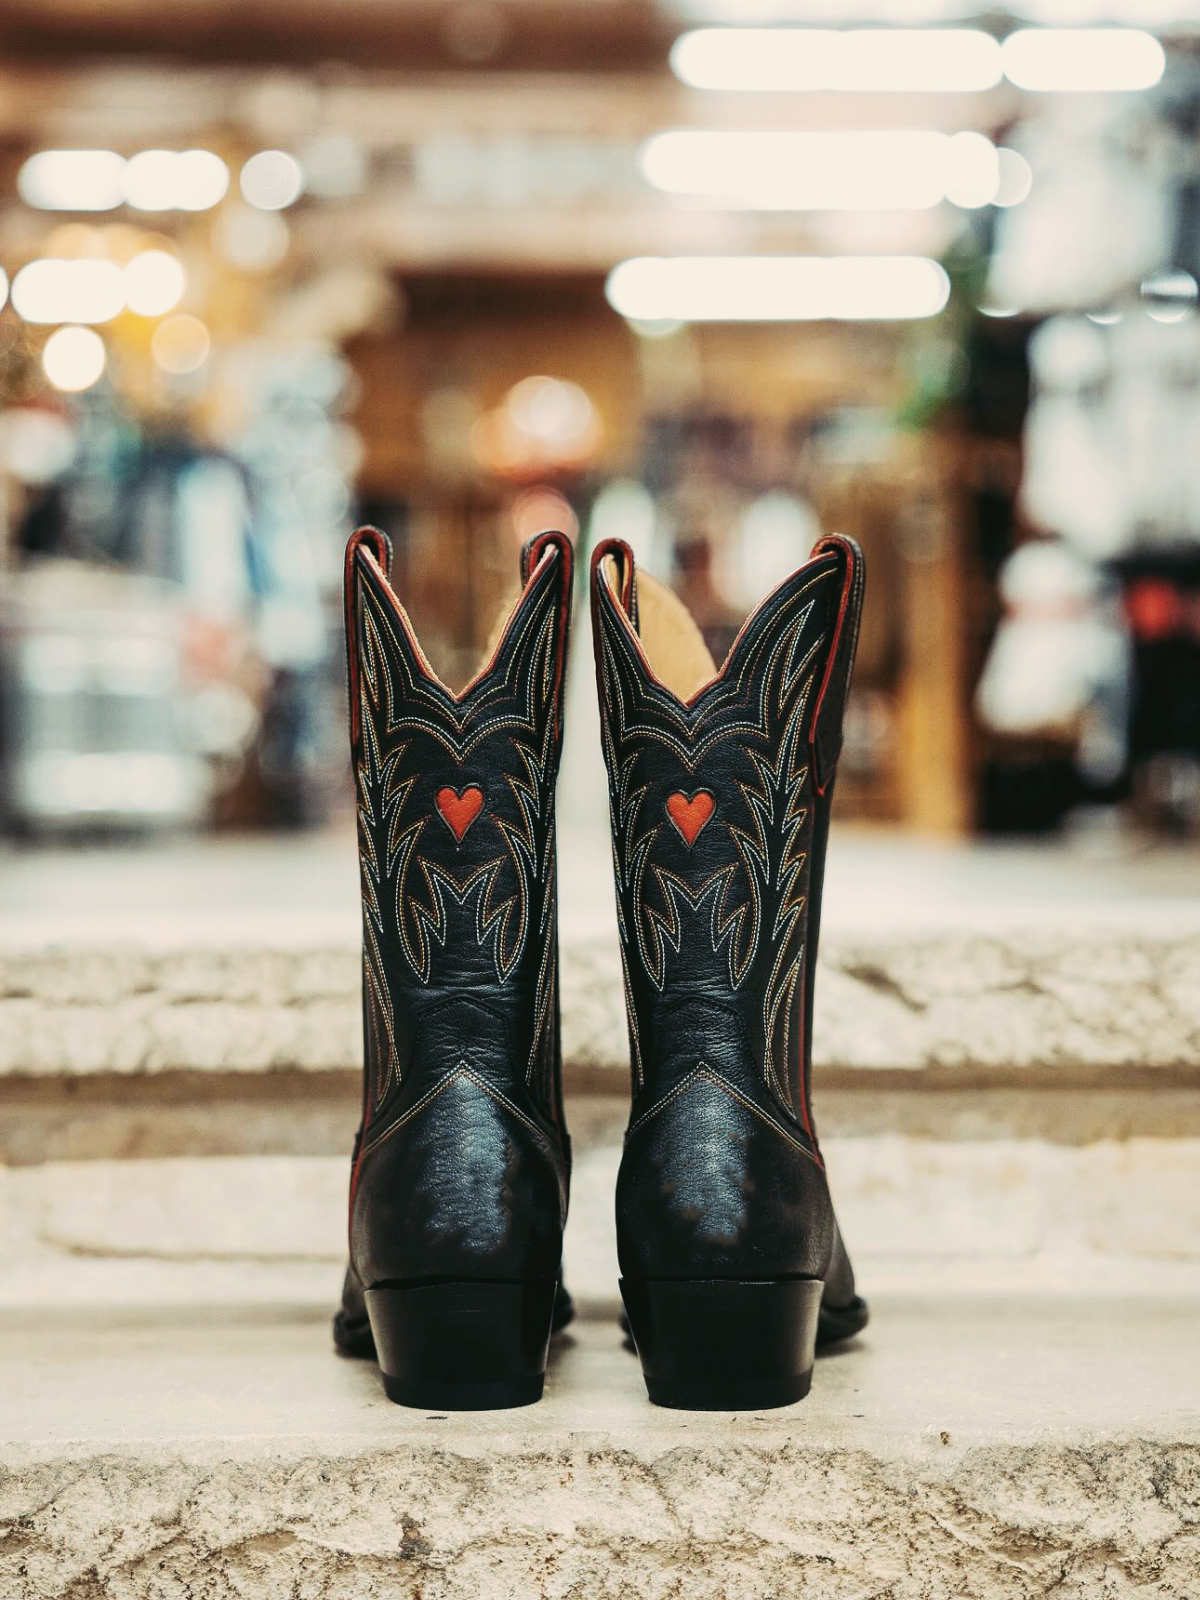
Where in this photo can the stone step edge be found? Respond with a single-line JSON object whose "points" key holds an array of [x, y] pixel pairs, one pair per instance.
{"points": [[282, 1113], [247, 1461], [597, 1513], [1009, 1206], [958, 1007]]}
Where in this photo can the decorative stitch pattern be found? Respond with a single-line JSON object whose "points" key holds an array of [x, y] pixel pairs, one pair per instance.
{"points": [[738, 885], [442, 861], [704, 1073]]}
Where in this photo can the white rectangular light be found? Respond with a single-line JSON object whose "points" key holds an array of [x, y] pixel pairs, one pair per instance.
{"points": [[101, 180], [832, 13], [1083, 59], [777, 288], [49, 290], [72, 180], [856, 60], [822, 171]]}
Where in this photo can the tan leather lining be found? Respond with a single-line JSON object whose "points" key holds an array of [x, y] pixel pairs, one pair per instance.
{"points": [[673, 644], [503, 616]]}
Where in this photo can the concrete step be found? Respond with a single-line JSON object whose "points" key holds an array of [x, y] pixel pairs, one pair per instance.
{"points": [[1024, 1211], [950, 1006], [1030, 1095], [948, 963], [228, 1037], [964, 994], [997, 1447], [1010, 1100]]}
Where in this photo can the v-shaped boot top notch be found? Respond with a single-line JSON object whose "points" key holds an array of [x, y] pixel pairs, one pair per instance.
{"points": [[674, 645], [667, 635], [545, 549], [671, 642]]}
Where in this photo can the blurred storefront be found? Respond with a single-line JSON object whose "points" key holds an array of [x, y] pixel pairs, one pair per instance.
{"points": [[686, 272]]}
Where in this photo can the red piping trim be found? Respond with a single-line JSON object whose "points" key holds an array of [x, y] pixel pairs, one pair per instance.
{"points": [[354, 544], [624, 554], [355, 1176], [566, 551], [833, 544]]}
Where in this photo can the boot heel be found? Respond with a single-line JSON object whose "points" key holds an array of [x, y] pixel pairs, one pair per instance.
{"points": [[718, 1345], [462, 1346]]}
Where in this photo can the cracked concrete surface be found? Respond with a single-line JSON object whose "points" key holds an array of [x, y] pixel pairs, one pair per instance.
{"points": [[978, 1447]]}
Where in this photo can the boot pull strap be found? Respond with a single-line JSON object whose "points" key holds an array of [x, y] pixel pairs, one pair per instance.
{"points": [[531, 553], [534, 549], [622, 554], [826, 735], [380, 546]]}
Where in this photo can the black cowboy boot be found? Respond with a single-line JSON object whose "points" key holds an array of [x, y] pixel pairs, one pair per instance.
{"points": [[720, 787], [458, 1193]]}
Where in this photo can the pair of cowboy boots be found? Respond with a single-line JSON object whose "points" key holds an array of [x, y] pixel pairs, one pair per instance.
{"points": [[720, 788]]}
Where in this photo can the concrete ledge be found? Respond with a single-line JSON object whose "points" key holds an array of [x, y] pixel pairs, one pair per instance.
{"points": [[1065, 1005], [990, 1447], [1021, 1211], [109, 1117]]}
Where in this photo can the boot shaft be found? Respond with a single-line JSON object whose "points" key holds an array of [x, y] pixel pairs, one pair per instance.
{"points": [[456, 830], [720, 807], [461, 1166]]}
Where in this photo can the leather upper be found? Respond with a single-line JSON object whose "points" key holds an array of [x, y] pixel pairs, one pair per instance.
{"points": [[720, 809], [462, 1162]]}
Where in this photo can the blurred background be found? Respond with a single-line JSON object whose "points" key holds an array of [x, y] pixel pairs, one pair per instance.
{"points": [[713, 276]]}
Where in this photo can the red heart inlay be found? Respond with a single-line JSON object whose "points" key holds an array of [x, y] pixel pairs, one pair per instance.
{"points": [[690, 813], [459, 808]]}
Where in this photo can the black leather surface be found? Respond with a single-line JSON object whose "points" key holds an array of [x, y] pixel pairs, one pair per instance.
{"points": [[720, 815], [461, 1167]]}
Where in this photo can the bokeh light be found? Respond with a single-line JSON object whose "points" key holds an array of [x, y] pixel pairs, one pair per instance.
{"points": [[49, 290], [655, 327], [252, 241], [74, 359], [1170, 295], [777, 288], [201, 180], [551, 409], [914, 60], [149, 180], [154, 283], [972, 171], [1014, 178], [1083, 60], [271, 180], [825, 170], [541, 510], [102, 180], [72, 180], [180, 345], [542, 423]]}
